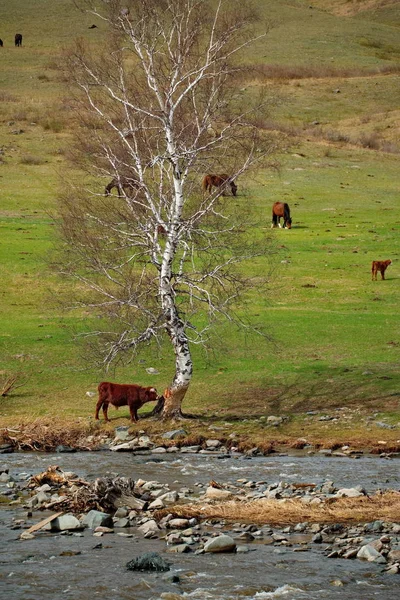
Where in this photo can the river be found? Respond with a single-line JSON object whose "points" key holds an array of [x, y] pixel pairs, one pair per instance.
{"points": [[82, 566]]}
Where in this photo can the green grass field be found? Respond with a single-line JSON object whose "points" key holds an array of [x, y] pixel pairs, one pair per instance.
{"points": [[335, 333]]}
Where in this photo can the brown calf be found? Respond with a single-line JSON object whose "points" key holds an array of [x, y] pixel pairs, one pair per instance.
{"points": [[381, 266], [119, 394]]}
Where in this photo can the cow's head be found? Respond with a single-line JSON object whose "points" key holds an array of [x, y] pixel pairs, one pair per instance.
{"points": [[151, 395]]}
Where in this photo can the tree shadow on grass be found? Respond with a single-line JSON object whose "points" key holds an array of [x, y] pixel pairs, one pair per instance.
{"points": [[323, 392]]}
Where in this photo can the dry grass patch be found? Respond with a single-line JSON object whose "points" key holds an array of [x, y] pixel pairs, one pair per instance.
{"points": [[45, 436], [363, 509]]}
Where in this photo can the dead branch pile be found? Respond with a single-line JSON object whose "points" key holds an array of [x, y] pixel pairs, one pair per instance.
{"points": [[44, 436], [77, 495]]}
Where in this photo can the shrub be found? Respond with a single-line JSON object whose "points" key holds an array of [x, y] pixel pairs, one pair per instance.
{"points": [[370, 140], [28, 159], [53, 124]]}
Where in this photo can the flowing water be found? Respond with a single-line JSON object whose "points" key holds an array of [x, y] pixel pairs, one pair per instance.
{"points": [[86, 567]]}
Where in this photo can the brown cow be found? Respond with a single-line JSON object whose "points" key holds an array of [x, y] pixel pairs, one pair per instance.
{"points": [[119, 394], [381, 266]]}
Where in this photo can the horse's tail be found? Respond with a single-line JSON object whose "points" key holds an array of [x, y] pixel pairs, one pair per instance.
{"points": [[205, 183]]}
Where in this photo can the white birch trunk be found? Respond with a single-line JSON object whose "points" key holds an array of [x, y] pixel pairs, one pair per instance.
{"points": [[175, 393]]}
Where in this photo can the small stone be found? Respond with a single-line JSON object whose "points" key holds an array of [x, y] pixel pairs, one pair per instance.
{"points": [[171, 435]]}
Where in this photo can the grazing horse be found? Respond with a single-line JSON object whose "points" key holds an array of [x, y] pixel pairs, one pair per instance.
{"points": [[381, 266], [281, 209], [219, 181], [123, 184], [18, 39], [1, 43]]}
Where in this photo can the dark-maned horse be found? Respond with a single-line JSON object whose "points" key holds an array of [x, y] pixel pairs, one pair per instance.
{"points": [[279, 210], [123, 184], [219, 181], [1, 43], [18, 39]]}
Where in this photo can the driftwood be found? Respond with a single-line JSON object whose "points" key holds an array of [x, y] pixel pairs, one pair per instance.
{"points": [[43, 523], [78, 495], [116, 492]]}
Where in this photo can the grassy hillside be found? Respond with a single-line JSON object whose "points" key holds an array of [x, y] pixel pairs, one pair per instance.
{"points": [[335, 333]]}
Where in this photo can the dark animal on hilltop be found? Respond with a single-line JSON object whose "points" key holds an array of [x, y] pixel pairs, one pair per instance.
{"points": [[18, 39], [123, 184], [381, 266], [279, 210], [120, 394], [219, 181], [1, 43], [93, 27]]}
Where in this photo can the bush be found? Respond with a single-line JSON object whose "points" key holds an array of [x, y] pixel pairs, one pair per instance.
{"points": [[28, 159], [53, 124]]}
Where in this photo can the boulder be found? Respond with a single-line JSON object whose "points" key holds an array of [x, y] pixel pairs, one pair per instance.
{"points": [[213, 443], [63, 523], [96, 518], [178, 523], [350, 492], [217, 494], [369, 553], [149, 527], [221, 543]]}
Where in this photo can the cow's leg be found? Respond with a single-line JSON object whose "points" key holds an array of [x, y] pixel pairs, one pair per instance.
{"points": [[105, 411], [383, 273], [98, 407], [133, 412]]}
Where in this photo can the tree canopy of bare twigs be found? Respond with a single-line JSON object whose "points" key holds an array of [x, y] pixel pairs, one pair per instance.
{"points": [[157, 109]]}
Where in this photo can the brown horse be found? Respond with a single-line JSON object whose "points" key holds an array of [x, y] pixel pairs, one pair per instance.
{"points": [[219, 181], [123, 184], [281, 209]]}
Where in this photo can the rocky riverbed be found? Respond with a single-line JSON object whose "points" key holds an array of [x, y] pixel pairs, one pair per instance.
{"points": [[97, 525]]}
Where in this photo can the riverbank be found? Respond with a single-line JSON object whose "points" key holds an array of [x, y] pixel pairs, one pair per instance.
{"points": [[264, 435]]}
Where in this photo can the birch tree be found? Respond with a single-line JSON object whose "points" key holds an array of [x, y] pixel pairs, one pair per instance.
{"points": [[158, 259]]}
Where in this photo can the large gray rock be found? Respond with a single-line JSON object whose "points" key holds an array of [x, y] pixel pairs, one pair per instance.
{"points": [[369, 553], [96, 518], [217, 494], [213, 443], [222, 543], [169, 497], [64, 523], [148, 528], [178, 523], [190, 449], [350, 492]]}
